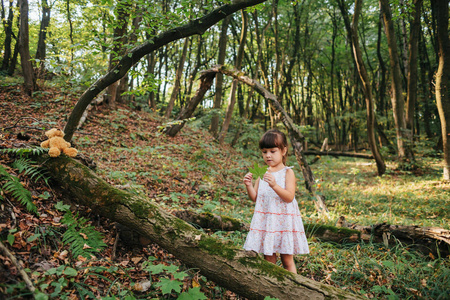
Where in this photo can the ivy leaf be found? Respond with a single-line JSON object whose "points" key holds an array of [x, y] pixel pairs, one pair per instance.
{"points": [[258, 171], [168, 285], [192, 294]]}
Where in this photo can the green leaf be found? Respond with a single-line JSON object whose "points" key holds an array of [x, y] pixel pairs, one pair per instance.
{"points": [[167, 286], [192, 294], [33, 237], [61, 206], [70, 272], [156, 269], [258, 171], [11, 239]]}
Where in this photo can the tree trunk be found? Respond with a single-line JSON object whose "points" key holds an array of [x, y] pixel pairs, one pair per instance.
{"points": [[118, 50], [197, 26], [214, 128], [440, 7], [177, 83], [405, 153], [206, 80], [339, 153], [41, 47], [24, 49], [411, 96], [243, 272], [69, 19], [381, 166], [232, 96], [9, 34]]}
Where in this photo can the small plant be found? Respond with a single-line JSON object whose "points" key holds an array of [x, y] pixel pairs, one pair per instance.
{"points": [[26, 167], [16, 189], [82, 237]]}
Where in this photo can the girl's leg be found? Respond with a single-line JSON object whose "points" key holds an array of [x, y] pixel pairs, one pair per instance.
{"points": [[288, 262], [271, 258]]}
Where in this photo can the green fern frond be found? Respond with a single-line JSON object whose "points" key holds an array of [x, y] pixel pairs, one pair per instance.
{"points": [[25, 151], [26, 165], [17, 190], [83, 239], [3, 172]]}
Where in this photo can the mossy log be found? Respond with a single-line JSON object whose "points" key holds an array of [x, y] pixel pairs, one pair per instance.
{"points": [[424, 239], [243, 272]]}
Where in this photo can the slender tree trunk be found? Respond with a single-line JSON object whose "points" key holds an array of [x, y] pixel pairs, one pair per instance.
{"points": [[41, 47], [232, 97], [405, 153], [412, 75], [367, 88], [9, 34], [24, 49], [440, 7], [69, 19], [118, 49], [214, 128], [425, 75], [151, 62], [177, 83]]}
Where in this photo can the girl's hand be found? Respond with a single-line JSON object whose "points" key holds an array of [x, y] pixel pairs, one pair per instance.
{"points": [[270, 179], [248, 179]]}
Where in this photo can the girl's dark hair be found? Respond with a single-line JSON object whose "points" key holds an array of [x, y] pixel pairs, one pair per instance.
{"points": [[274, 138]]}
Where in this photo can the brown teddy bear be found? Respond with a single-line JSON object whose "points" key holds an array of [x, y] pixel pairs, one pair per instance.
{"points": [[57, 144]]}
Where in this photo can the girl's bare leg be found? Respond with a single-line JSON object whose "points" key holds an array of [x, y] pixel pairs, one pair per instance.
{"points": [[288, 262], [271, 258]]}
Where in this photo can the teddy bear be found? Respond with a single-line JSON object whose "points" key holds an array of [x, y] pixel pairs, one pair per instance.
{"points": [[57, 144]]}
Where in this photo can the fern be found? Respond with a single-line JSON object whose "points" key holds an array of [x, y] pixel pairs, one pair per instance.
{"points": [[82, 237], [25, 151], [17, 190], [26, 165]]}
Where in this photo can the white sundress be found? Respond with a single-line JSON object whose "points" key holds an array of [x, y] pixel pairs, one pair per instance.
{"points": [[276, 226]]}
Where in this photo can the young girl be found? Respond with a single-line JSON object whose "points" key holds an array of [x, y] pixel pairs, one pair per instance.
{"points": [[276, 225]]}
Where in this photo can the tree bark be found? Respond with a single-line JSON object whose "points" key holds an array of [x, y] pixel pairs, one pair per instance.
{"points": [[9, 34], [118, 49], [232, 96], [206, 80], [41, 47], [214, 128], [240, 271], [339, 153], [367, 89], [24, 49], [440, 7], [405, 153], [198, 26], [177, 83]]}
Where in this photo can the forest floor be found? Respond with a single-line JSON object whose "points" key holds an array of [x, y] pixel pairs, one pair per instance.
{"points": [[192, 171]]}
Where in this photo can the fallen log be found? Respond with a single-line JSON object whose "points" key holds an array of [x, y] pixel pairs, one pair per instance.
{"points": [[425, 239], [433, 240], [242, 272], [338, 153]]}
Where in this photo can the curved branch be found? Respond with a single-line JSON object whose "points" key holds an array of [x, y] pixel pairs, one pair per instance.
{"points": [[198, 26]]}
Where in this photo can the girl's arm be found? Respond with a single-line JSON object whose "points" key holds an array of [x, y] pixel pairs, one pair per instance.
{"points": [[252, 191], [288, 193]]}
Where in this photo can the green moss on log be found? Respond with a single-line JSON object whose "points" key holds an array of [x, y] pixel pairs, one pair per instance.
{"points": [[266, 268], [316, 229], [217, 247]]}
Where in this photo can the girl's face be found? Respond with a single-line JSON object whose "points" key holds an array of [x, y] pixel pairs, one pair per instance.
{"points": [[273, 157]]}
